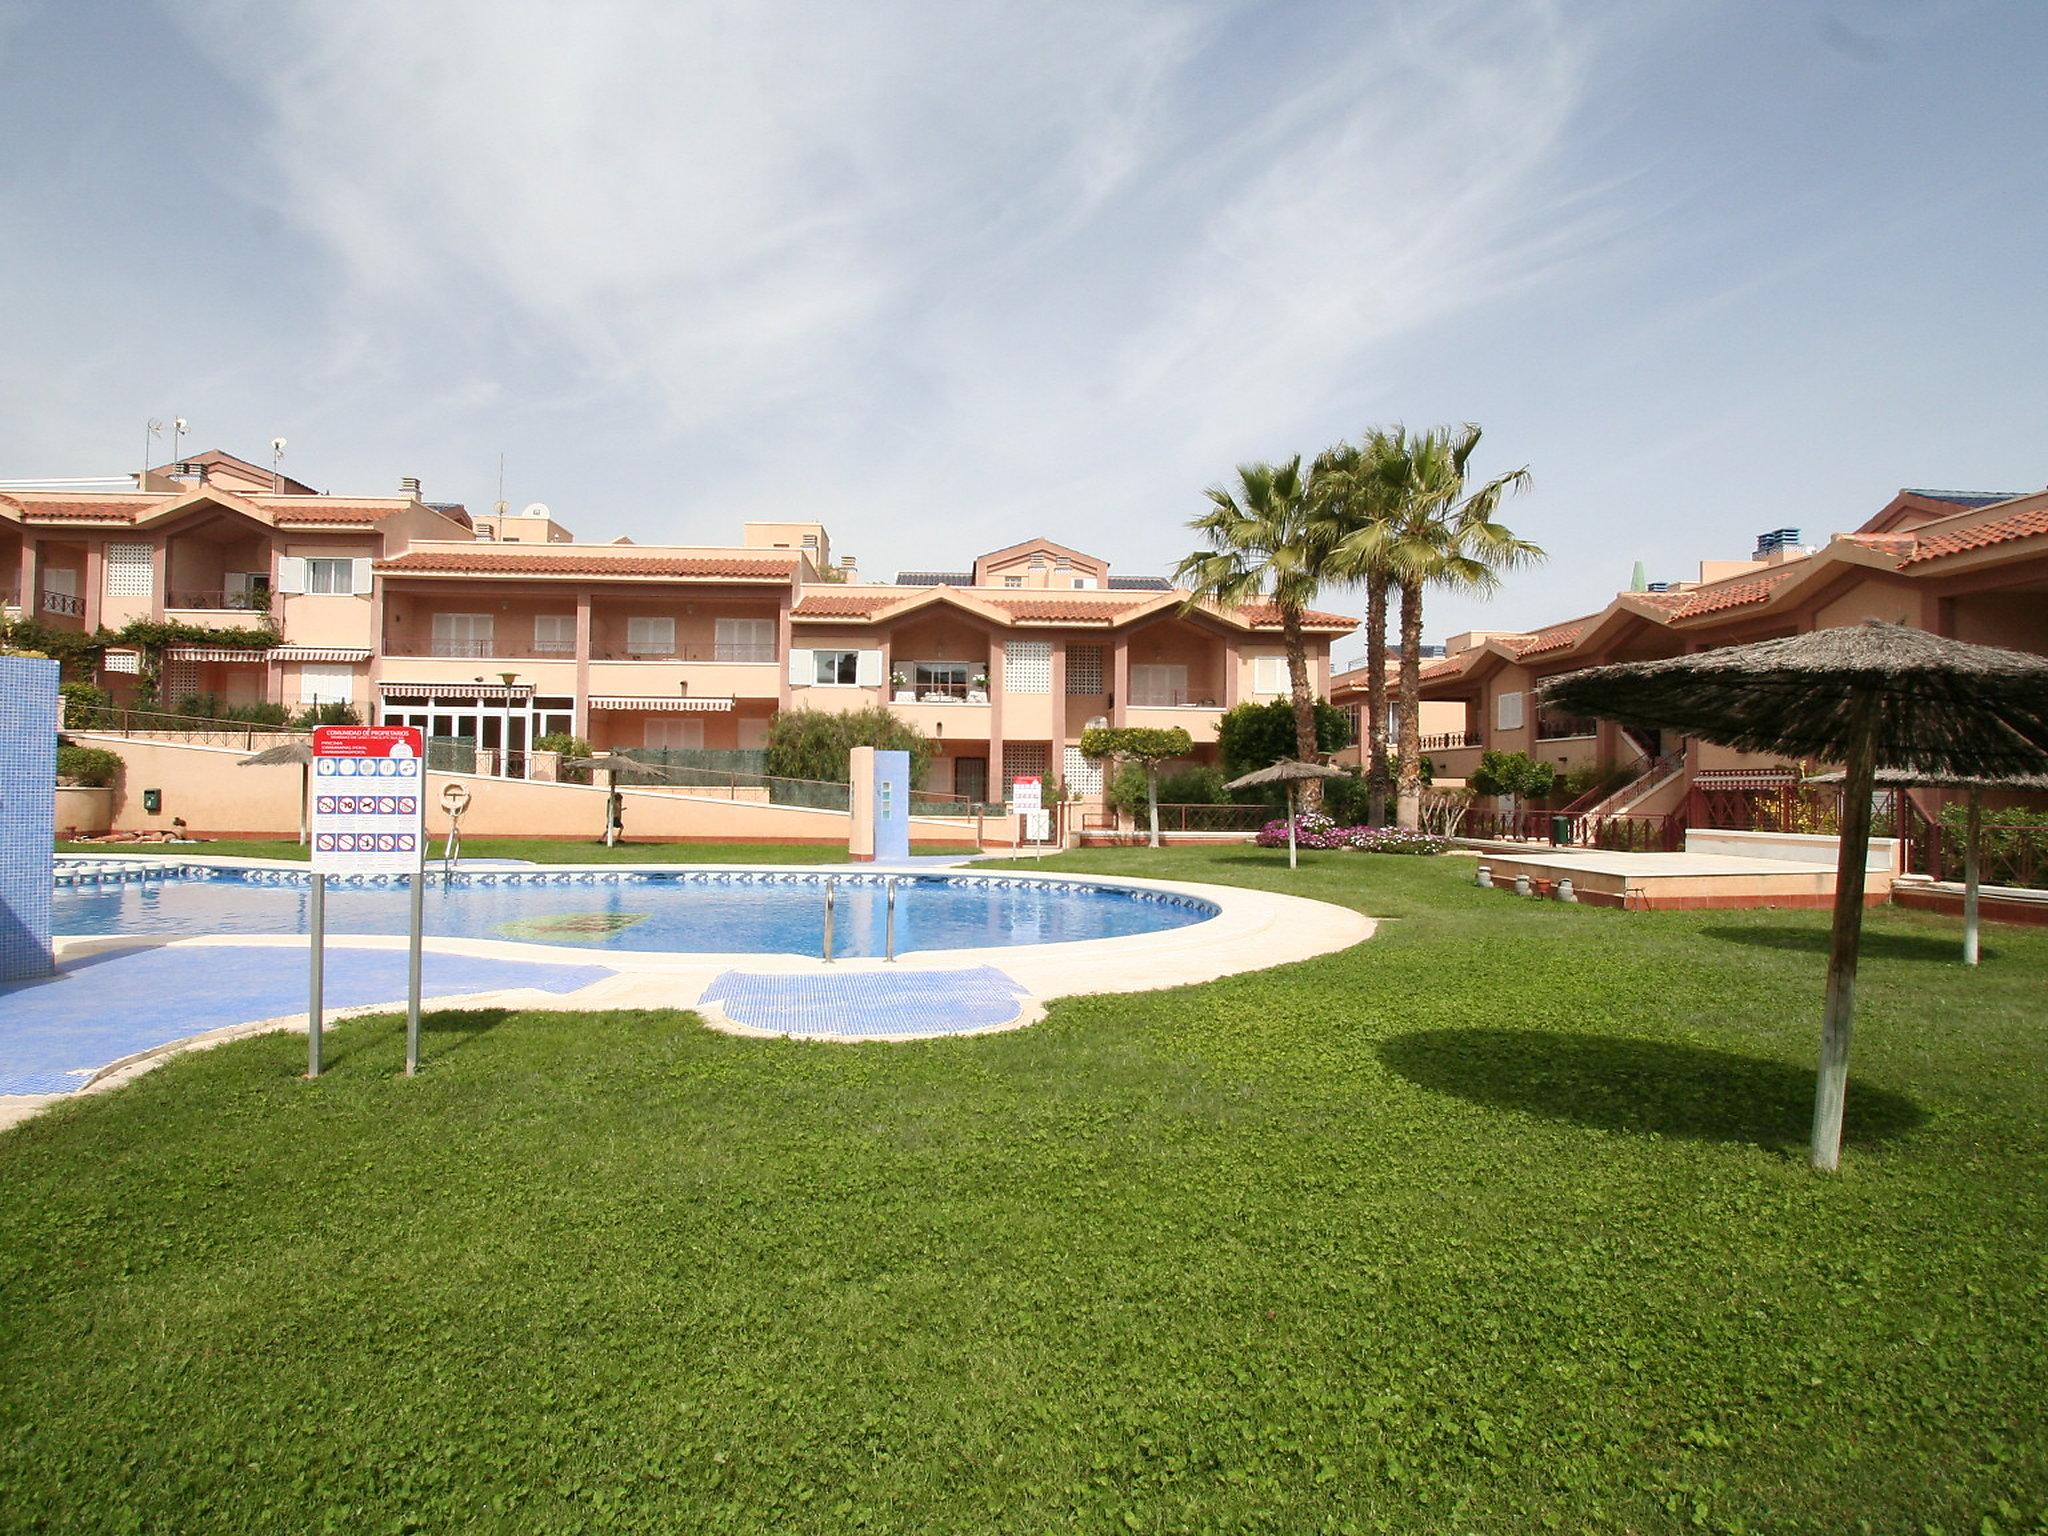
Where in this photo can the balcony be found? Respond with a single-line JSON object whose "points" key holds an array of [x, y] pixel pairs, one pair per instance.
{"points": [[207, 600], [545, 675], [725, 653], [63, 605], [1565, 727], [485, 650], [1451, 741], [1198, 720]]}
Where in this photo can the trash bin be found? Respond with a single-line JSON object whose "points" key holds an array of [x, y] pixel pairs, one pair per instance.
{"points": [[1560, 831]]}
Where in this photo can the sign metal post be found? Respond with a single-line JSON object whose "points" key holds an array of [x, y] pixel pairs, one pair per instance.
{"points": [[369, 818]]}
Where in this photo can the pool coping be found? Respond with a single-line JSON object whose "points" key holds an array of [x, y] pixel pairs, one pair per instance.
{"points": [[1252, 930]]}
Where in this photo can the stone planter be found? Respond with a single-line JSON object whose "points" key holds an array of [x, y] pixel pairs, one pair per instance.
{"points": [[85, 810]]}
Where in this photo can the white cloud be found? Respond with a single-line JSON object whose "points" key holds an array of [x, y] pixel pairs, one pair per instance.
{"points": [[985, 262]]}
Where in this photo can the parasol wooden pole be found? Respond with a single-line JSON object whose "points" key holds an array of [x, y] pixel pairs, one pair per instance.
{"points": [[1972, 825], [1290, 824], [305, 794], [1851, 866]]}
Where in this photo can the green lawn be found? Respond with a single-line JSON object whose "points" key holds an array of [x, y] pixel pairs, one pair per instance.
{"points": [[538, 850], [1497, 1223]]}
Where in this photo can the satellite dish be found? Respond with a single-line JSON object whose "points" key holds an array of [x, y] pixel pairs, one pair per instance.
{"points": [[534, 509]]}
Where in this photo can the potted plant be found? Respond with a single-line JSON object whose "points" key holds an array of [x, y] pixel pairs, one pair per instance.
{"points": [[977, 692], [905, 694]]}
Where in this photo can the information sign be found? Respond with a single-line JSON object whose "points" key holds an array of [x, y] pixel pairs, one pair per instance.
{"points": [[369, 800]]}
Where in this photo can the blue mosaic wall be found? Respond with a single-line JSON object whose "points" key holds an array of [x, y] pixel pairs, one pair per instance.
{"points": [[892, 805], [28, 813]]}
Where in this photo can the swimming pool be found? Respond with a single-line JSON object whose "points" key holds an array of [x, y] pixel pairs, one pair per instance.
{"points": [[700, 911]]}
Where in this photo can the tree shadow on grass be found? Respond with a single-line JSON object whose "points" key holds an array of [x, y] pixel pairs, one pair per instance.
{"points": [[1648, 1087], [442, 1032], [1874, 946]]}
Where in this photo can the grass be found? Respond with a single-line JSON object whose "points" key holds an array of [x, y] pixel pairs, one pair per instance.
{"points": [[537, 850], [1499, 1222]]}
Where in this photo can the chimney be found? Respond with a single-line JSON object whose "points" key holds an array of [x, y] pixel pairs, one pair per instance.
{"points": [[849, 568], [1777, 545], [410, 486]]}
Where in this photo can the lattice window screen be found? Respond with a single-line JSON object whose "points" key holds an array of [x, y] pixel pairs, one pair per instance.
{"points": [[1083, 773], [1084, 670], [1022, 757], [128, 570], [1027, 666], [181, 680]]}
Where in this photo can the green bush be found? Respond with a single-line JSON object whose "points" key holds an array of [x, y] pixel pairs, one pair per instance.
{"points": [[1198, 785], [562, 744], [94, 767], [335, 712], [1516, 775], [84, 704], [206, 706], [818, 744], [1254, 736]]}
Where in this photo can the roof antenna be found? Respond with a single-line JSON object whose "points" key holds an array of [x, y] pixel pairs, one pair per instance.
{"points": [[179, 428], [151, 431], [501, 483], [276, 458]]}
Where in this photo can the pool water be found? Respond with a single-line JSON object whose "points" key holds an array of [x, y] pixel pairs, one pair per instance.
{"points": [[735, 913]]}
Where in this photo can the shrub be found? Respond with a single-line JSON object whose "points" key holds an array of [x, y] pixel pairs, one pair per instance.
{"points": [[206, 706], [93, 767], [1318, 831], [84, 704], [563, 745], [1516, 775], [818, 744], [1254, 736], [334, 712]]}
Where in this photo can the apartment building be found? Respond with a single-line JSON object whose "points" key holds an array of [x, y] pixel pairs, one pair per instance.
{"points": [[502, 629], [1971, 565]]}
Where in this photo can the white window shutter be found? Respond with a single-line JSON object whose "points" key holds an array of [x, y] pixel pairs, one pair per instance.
{"points": [[802, 670], [1507, 712], [359, 578], [291, 573], [867, 669], [1269, 675]]}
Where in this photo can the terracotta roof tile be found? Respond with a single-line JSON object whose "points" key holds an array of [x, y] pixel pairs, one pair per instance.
{"points": [[1064, 608], [1266, 616], [82, 510], [842, 605], [1738, 594], [1556, 638], [507, 562], [2018, 525], [329, 509]]}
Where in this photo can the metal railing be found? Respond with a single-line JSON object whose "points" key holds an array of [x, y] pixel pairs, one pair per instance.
{"points": [[729, 652], [1565, 727], [1450, 741], [167, 725], [64, 603], [1181, 816], [210, 601], [1615, 834], [1173, 698]]}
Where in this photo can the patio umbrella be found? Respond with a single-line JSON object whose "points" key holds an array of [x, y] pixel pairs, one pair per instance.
{"points": [[616, 764], [1289, 771], [300, 752], [1901, 778], [1868, 696]]}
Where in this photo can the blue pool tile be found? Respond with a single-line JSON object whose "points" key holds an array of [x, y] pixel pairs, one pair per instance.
{"points": [[907, 1003], [56, 1032]]}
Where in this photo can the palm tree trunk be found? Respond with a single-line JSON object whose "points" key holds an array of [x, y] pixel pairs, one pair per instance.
{"points": [[1152, 795], [1305, 743], [1410, 747], [1376, 696]]}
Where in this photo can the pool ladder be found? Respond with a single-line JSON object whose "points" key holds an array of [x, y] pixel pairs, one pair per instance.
{"points": [[889, 908]]}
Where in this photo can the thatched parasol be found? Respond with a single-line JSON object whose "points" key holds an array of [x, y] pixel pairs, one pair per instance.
{"points": [[300, 752], [1905, 778], [1289, 771], [617, 765], [1869, 696]]}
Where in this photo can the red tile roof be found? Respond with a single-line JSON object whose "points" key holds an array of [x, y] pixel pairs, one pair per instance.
{"points": [[1556, 638], [1737, 594], [841, 605], [1266, 616], [329, 509], [508, 562], [2018, 525], [82, 510], [1062, 608]]}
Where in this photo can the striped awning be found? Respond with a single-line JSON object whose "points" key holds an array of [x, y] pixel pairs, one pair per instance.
{"points": [[217, 653], [667, 703], [456, 690], [319, 653]]}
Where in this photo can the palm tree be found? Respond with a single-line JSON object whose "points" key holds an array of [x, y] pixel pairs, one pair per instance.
{"points": [[1264, 544], [1347, 500], [1435, 532]]}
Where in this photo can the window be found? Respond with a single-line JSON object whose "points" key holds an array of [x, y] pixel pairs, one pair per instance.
{"points": [[333, 578], [462, 634], [57, 579], [327, 685], [1027, 666], [1507, 712], [553, 717], [753, 733], [938, 681], [744, 640], [648, 636], [674, 734], [1013, 581], [837, 669], [1269, 675], [1084, 583], [1084, 670], [554, 634], [1159, 685], [245, 589], [129, 572]]}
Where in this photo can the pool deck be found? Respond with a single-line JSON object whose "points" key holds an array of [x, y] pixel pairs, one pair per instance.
{"points": [[119, 1005]]}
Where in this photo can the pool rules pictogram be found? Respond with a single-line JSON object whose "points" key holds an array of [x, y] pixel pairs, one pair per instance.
{"points": [[369, 818]]}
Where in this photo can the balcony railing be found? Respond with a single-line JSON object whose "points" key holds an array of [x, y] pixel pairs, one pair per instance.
{"points": [[937, 691], [1173, 698], [207, 600], [1450, 741], [1564, 727], [64, 603], [735, 651], [543, 650]]}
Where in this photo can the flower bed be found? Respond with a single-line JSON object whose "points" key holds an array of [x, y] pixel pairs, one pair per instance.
{"points": [[1319, 831]]}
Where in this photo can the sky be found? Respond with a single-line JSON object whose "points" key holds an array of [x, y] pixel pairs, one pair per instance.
{"points": [[947, 275]]}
